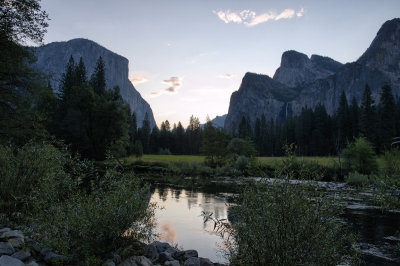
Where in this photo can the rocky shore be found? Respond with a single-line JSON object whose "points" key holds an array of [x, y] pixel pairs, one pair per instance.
{"points": [[16, 249]]}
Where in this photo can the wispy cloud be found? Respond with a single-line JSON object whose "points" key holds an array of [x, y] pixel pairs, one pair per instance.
{"points": [[174, 84], [137, 78], [225, 76], [250, 18]]}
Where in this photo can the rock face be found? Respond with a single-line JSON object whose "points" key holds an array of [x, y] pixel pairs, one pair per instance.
{"points": [[53, 57], [301, 81], [297, 69]]}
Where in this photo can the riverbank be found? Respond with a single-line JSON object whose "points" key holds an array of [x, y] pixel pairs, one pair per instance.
{"points": [[17, 249]]}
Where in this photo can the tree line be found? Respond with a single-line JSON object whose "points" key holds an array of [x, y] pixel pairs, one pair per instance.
{"points": [[317, 133]]}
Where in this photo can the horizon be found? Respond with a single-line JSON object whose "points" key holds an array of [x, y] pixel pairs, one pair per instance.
{"points": [[190, 57]]}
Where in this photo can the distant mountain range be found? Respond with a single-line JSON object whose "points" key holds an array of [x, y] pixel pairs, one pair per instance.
{"points": [[301, 81], [218, 121], [53, 58]]}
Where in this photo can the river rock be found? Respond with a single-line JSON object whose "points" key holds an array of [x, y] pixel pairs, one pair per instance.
{"points": [[12, 234], [193, 261], [31, 263], [109, 263], [172, 263], [21, 255], [10, 261], [4, 230], [55, 259], [161, 246], [152, 252], [6, 248], [165, 256], [137, 261], [206, 262], [184, 255], [16, 242]]}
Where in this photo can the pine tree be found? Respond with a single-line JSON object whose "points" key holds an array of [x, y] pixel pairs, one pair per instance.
{"points": [[144, 133], [387, 119], [67, 80], [80, 73], [180, 139], [98, 79], [343, 119], [368, 121], [354, 118]]}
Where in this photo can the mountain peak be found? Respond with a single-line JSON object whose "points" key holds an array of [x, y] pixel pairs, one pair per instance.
{"points": [[297, 69], [294, 59], [384, 51]]}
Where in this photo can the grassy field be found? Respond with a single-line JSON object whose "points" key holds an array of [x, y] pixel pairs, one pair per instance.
{"points": [[165, 158], [271, 161]]}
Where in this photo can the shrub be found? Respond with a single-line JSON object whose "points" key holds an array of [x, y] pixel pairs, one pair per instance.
{"points": [[92, 224], [391, 160], [278, 224], [299, 169], [359, 156], [74, 210], [241, 147], [22, 169], [165, 151], [191, 168], [358, 179]]}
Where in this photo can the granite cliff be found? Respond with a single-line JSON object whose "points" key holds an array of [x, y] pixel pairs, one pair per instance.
{"points": [[53, 57], [301, 81]]}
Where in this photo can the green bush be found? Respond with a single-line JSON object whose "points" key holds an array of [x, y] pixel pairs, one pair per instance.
{"points": [[191, 169], [74, 210], [358, 179], [391, 160], [359, 156], [93, 224], [299, 169], [279, 224], [21, 171]]}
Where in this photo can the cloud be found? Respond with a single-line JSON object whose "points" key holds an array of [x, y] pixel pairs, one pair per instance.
{"points": [[174, 84], [138, 78], [250, 18], [226, 76], [228, 16], [300, 12]]}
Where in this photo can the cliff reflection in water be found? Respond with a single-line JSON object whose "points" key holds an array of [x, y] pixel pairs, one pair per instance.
{"points": [[179, 220]]}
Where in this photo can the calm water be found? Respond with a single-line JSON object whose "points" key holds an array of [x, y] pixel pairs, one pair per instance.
{"points": [[180, 222]]}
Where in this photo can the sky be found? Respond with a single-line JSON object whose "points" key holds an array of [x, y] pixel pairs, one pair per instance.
{"points": [[186, 57]]}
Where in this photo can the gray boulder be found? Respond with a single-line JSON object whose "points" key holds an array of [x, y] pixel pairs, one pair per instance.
{"points": [[55, 259], [152, 252], [12, 234], [16, 242], [21, 255], [10, 261], [184, 255], [137, 261], [6, 248], [172, 263], [165, 256], [192, 262], [205, 262]]}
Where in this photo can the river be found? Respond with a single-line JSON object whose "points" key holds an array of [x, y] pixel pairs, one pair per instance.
{"points": [[180, 222]]}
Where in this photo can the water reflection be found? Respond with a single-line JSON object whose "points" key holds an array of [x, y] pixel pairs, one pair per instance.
{"points": [[180, 221]]}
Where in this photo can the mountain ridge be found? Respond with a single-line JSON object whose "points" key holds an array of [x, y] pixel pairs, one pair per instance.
{"points": [[308, 81], [53, 57]]}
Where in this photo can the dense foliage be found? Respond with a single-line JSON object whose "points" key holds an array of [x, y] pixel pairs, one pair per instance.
{"points": [[75, 209], [285, 223]]}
